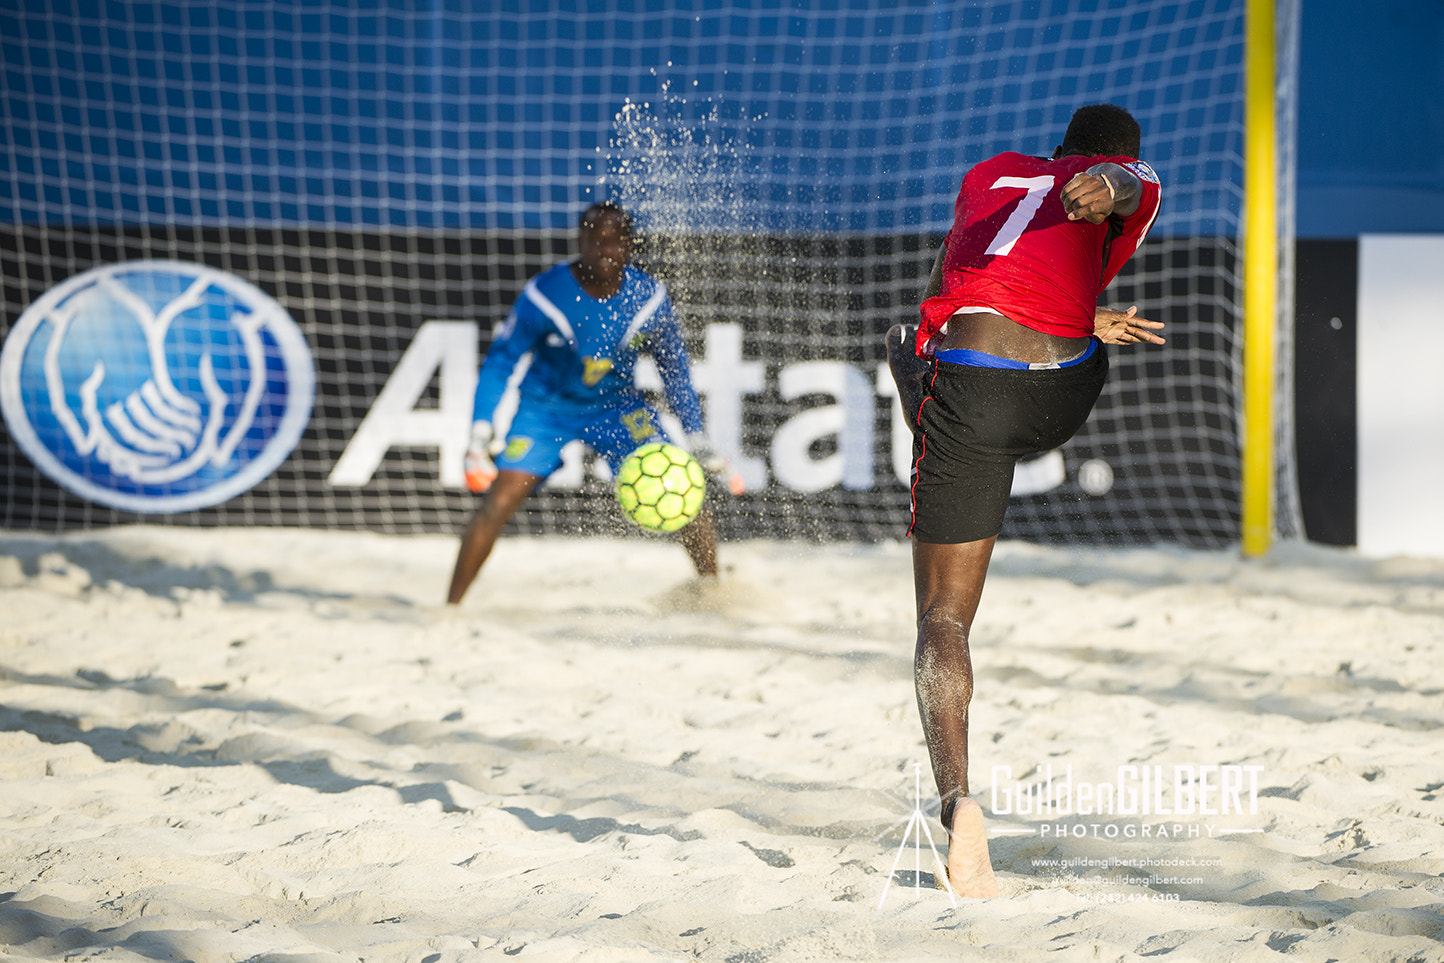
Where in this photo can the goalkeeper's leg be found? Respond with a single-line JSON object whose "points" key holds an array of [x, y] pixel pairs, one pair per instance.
{"points": [[615, 435], [699, 538], [500, 502]]}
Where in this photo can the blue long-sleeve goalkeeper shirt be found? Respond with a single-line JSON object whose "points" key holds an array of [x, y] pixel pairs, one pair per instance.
{"points": [[566, 350]]}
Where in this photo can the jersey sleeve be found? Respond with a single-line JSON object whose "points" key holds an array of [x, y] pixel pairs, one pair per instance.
{"points": [[665, 345], [1135, 226], [510, 345]]}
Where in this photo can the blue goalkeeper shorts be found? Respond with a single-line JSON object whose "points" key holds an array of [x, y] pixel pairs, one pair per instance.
{"points": [[537, 434]]}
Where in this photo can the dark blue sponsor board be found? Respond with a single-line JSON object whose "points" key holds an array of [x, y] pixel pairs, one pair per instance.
{"points": [[1164, 429]]}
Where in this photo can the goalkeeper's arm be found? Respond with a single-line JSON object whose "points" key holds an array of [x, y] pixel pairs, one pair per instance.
{"points": [[714, 462], [512, 340], [664, 343]]}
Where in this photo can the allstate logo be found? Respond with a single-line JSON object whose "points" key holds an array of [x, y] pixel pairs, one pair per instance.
{"points": [[156, 386]]}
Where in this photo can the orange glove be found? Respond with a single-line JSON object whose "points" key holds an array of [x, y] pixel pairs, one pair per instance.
{"points": [[480, 469], [715, 463]]}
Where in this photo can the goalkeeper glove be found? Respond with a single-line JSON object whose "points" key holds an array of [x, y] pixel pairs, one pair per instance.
{"points": [[715, 463], [480, 469]]}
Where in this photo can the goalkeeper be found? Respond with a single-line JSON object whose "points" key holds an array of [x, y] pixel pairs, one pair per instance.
{"points": [[568, 349], [1008, 361]]}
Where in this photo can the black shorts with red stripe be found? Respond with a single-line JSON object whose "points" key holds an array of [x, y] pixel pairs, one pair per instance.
{"points": [[974, 425]]}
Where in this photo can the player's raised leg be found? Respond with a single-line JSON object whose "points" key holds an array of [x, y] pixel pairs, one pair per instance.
{"points": [[949, 584], [908, 370], [500, 502]]}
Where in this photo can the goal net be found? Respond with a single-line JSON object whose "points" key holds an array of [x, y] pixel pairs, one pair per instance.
{"points": [[392, 176]]}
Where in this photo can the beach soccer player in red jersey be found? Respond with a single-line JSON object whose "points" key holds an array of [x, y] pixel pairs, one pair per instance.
{"points": [[1008, 361]]}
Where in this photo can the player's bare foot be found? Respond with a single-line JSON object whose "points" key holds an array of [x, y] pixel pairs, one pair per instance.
{"points": [[970, 871], [908, 370]]}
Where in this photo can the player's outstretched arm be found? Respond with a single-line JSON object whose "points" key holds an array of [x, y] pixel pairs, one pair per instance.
{"points": [[1125, 327]]}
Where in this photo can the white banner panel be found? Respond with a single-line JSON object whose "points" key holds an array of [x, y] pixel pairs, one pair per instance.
{"points": [[1401, 394]]}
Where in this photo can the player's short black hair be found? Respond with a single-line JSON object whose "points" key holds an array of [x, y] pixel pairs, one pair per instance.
{"points": [[611, 207], [1102, 130]]}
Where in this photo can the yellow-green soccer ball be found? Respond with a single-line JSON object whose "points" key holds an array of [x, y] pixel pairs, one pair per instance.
{"points": [[661, 487]]}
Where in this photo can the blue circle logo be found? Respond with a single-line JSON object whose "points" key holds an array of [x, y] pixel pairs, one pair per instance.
{"points": [[156, 386]]}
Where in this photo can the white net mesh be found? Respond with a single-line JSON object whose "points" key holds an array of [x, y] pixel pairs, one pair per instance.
{"points": [[793, 168]]}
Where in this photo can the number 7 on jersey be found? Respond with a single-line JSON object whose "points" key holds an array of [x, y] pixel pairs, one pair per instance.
{"points": [[1022, 216]]}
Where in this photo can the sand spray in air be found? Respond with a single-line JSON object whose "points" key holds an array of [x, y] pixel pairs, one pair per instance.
{"points": [[726, 232], [675, 163], [683, 166]]}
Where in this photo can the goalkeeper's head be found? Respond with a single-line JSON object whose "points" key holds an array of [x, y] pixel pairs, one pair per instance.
{"points": [[1101, 130], [604, 246], [607, 208]]}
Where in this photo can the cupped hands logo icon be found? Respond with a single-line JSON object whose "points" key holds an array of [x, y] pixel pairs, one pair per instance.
{"points": [[156, 386]]}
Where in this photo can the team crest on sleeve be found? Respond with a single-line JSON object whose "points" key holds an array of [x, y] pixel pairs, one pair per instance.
{"points": [[156, 386], [1143, 171]]}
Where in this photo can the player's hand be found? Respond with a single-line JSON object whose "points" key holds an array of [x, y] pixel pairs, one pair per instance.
{"points": [[715, 463], [1089, 197], [480, 469], [1124, 327]]}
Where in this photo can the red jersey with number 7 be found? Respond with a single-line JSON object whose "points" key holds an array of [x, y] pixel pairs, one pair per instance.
{"points": [[1013, 251]]}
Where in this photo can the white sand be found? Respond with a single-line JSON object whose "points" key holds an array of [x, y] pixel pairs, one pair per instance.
{"points": [[274, 745]]}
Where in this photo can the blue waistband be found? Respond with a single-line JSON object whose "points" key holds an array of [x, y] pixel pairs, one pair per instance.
{"points": [[981, 359]]}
